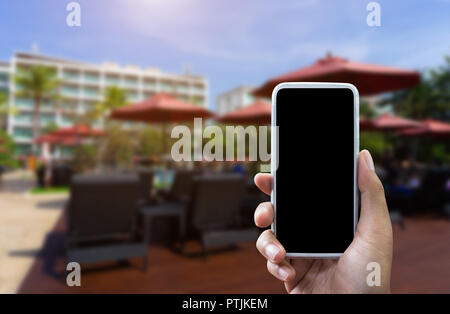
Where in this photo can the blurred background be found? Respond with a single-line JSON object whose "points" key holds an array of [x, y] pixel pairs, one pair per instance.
{"points": [[88, 97]]}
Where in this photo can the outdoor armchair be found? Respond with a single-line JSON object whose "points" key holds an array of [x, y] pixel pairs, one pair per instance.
{"points": [[102, 219]]}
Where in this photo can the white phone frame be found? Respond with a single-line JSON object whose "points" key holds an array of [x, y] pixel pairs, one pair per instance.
{"points": [[274, 159]]}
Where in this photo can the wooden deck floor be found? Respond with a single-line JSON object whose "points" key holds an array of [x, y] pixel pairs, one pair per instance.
{"points": [[421, 265]]}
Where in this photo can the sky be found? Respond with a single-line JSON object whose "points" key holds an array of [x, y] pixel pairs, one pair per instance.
{"points": [[230, 42]]}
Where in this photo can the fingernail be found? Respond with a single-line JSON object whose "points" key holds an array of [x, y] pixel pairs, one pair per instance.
{"points": [[369, 160], [272, 251], [283, 272]]}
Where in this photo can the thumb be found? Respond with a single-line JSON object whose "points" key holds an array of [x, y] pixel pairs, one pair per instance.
{"points": [[374, 224]]}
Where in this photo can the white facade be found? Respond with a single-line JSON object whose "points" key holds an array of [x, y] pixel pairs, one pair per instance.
{"points": [[83, 85], [234, 99]]}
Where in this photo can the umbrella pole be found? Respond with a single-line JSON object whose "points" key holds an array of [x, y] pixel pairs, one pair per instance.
{"points": [[164, 151], [163, 138]]}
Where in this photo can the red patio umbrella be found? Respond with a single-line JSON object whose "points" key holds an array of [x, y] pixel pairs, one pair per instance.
{"points": [[365, 124], [428, 128], [388, 123], [79, 130], [54, 139], [258, 113], [370, 79], [161, 108]]}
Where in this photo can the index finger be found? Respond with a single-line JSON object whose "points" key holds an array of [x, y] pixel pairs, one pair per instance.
{"points": [[264, 182]]}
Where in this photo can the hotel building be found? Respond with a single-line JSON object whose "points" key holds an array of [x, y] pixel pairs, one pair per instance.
{"points": [[82, 86], [234, 99]]}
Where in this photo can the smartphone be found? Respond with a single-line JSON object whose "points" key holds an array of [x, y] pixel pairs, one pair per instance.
{"points": [[314, 155]]}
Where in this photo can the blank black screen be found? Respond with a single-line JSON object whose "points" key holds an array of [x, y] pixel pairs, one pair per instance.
{"points": [[314, 179]]}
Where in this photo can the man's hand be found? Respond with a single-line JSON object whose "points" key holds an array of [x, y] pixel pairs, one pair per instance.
{"points": [[372, 243]]}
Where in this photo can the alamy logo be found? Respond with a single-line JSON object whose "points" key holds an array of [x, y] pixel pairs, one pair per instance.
{"points": [[374, 277], [235, 139], [74, 17], [74, 277], [374, 17]]}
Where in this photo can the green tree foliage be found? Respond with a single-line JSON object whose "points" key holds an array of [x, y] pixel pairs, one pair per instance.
{"points": [[5, 109], [118, 148], [114, 98], [149, 142], [3, 99], [376, 143], [49, 127], [115, 148], [84, 157], [40, 84], [7, 150], [365, 110], [429, 99]]}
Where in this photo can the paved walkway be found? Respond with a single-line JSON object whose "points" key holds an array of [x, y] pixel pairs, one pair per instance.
{"points": [[25, 221]]}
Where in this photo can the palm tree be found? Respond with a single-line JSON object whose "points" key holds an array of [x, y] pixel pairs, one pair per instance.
{"points": [[2, 99], [38, 83], [114, 97], [5, 109], [428, 99]]}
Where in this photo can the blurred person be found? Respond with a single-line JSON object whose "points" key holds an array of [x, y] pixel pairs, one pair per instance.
{"points": [[392, 171], [238, 169], [372, 243], [414, 180], [381, 172]]}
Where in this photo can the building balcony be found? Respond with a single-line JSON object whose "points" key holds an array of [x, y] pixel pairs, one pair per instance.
{"points": [[112, 81], [130, 84], [71, 78], [198, 90], [149, 85], [91, 79]]}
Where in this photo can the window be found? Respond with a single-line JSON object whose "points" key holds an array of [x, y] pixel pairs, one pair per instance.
{"points": [[167, 87], [23, 133], [65, 120], [132, 96], [90, 77], [68, 105], [47, 119], [198, 89], [130, 82], [149, 84], [71, 75], [112, 80], [4, 77], [91, 92], [69, 90], [23, 118], [23, 149], [24, 103], [248, 99], [183, 88]]}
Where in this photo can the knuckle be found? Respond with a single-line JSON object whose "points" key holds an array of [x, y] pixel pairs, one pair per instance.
{"points": [[271, 268], [263, 239]]}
